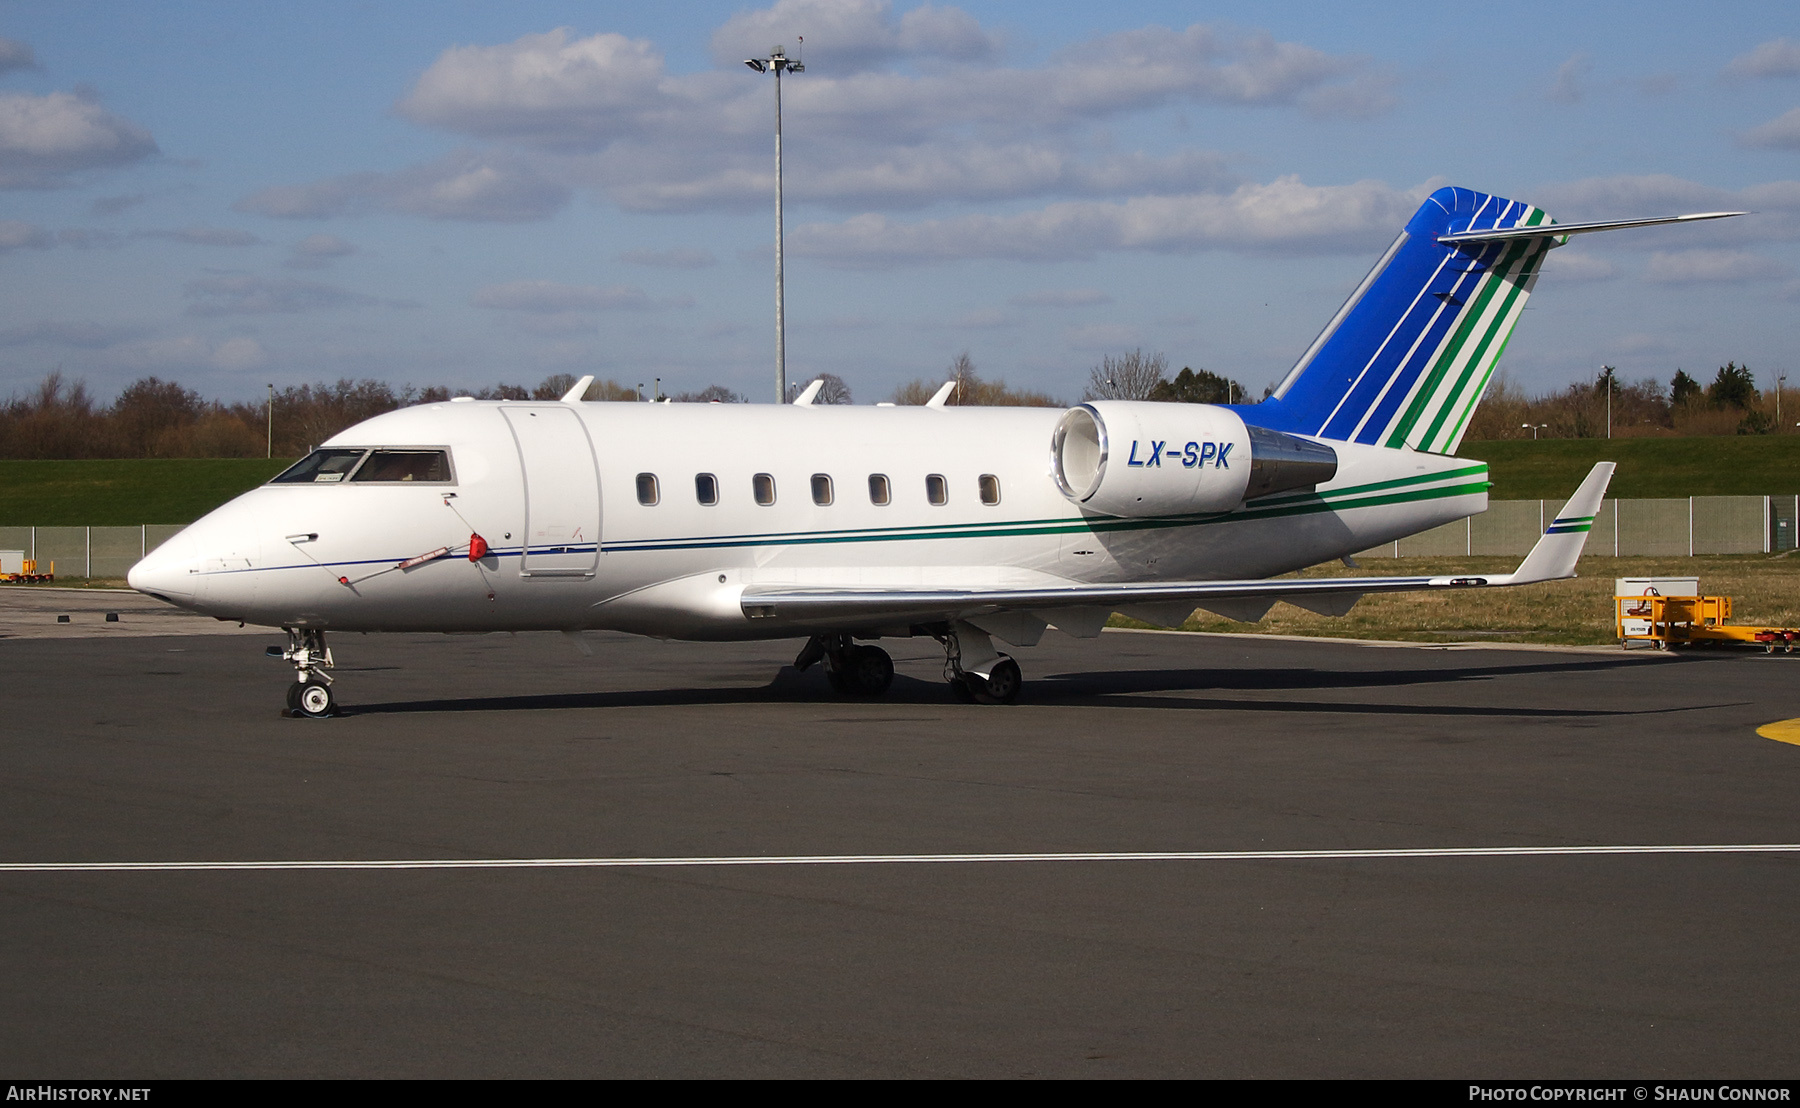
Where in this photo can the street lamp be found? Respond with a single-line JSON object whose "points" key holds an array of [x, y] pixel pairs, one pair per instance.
{"points": [[1607, 372], [776, 62], [1779, 381], [1534, 428], [272, 419]]}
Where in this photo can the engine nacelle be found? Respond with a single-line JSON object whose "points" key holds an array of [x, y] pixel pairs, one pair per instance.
{"points": [[1143, 458]]}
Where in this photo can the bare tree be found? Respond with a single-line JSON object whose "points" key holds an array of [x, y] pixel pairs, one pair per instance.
{"points": [[971, 390], [1132, 376], [711, 394], [833, 391]]}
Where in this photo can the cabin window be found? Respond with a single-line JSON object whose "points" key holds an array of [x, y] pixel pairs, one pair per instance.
{"points": [[648, 494], [431, 466], [764, 486], [821, 489], [878, 489], [990, 489], [321, 467], [936, 490], [706, 489]]}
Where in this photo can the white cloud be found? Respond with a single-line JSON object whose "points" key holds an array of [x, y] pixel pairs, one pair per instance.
{"points": [[15, 55], [45, 139], [1680, 267], [1781, 133], [985, 319], [550, 296], [186, 352], [1567, 87], [853, 34], [1101, 336], [16, 234], [1565, 264], [1778, 57], [1061, 298], [1774, 208], [670, 259], [85, 335], [203, 236], [463, 186], [318, 251], [243, 294], [1284, 216], [603, 112]]}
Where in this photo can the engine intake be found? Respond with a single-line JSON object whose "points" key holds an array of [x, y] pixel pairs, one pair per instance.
{"points": [[1140, 458]]}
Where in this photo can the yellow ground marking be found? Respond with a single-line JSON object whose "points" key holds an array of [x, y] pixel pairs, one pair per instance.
{"points": [[1782, 731]]}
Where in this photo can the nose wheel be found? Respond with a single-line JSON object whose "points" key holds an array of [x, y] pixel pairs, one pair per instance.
{"points": [[310, 695]]}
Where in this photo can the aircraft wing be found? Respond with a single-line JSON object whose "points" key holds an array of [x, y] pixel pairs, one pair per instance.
{"points": [[1552, 558]]}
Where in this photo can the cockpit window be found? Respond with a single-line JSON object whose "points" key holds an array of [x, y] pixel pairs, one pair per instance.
{"points": [[320, 467], [431, 466]]}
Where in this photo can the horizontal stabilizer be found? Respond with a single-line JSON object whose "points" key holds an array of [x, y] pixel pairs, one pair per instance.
{"points": [[1546, 230]]}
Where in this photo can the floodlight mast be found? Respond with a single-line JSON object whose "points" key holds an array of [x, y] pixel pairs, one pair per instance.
{"points": [[778, 61]]}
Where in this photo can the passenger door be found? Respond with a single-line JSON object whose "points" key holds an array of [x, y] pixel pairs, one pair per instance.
{"points": [[562, 491]]}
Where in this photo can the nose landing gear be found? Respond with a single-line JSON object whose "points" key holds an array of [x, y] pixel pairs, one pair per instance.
{"points": [[310, 695]]}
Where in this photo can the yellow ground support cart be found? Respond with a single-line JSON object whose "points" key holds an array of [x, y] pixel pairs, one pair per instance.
{"points": [[16, 568], [1667, 621]]}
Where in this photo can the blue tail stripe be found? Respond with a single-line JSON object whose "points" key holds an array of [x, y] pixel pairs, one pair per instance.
{"points": [[1434, 325], [1361, 373]]}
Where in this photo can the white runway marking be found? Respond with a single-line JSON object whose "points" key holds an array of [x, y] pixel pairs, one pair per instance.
{"points": [[909, 859]]}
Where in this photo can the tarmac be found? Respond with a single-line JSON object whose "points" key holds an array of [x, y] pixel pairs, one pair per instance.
{"points": [[685, 860]]}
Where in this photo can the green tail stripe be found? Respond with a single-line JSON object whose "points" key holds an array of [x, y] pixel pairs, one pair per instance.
{"points": [[1447, 355], [1503, 321]]}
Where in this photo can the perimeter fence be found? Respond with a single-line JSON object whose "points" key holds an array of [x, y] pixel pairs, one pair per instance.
{"points": [[1675, 527]]}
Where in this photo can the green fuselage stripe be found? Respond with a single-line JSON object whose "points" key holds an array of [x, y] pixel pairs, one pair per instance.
{"points": [[1365, 498]]}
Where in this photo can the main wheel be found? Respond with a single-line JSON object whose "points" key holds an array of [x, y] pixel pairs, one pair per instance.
{"points": [[314, 701], [870, 671], [1001, 686]]}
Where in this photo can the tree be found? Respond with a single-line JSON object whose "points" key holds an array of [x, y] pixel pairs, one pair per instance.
{"points": [[1128, 377], [1203, 387], [711, 394], [1734, 387], [972, 391], [834, 390], [554, 387], [1684, 389], [148, 410]]}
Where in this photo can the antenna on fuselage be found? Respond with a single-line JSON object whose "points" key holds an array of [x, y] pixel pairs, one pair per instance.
{"points": [[579, 393]]}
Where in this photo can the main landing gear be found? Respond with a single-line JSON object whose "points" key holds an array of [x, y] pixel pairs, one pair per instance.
{"points": [[310, 694], [852, 670], [977, 673]]}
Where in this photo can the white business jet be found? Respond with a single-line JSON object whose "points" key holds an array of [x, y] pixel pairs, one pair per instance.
{"points": [[842, 525]]}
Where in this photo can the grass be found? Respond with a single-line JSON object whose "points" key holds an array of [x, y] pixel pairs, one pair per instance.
{"points": [[1764, 590], [122, 492], [1745, 465]]}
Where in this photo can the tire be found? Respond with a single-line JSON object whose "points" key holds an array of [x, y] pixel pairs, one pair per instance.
{"points": [[870, 671], [1001, 686], [293, 698], [314, 701]]}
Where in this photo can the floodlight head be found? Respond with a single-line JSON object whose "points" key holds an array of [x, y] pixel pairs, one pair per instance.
{"points": [[757, 64]]}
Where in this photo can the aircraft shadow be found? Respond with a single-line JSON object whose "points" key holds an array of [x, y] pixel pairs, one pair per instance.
{"points": [[1101, 688]]}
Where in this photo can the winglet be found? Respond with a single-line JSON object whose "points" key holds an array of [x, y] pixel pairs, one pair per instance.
{"points": [[811, 393], [579, 392], [941, 395], [1555, 554]]}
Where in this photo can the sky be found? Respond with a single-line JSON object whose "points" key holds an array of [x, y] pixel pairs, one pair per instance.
{"points": [[230, 195]]}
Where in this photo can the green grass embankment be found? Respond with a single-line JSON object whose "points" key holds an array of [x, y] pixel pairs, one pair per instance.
{"points": [[1746, 465], [120, 492]]}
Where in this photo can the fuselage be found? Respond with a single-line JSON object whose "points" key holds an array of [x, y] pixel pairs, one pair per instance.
{"points": [[653, 518]]}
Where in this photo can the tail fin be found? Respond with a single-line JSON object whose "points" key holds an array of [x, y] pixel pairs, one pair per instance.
{"points": [[1406, 359]]}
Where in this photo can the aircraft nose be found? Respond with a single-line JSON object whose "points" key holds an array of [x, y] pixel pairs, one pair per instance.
{"points": [[169, 571]]}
